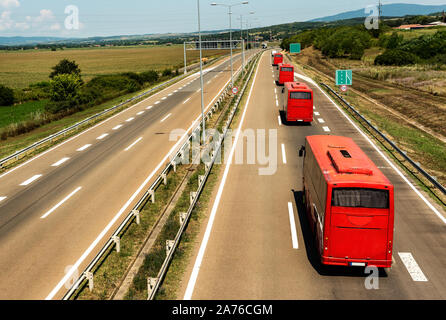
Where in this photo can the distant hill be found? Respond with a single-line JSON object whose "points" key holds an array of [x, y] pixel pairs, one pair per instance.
{"points": [[12, 41], [388, 10]]}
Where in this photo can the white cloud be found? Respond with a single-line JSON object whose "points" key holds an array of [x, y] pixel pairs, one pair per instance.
{"points": [[55, 27], [6, 22], [45, 15], [9, 3], [22, 26]]}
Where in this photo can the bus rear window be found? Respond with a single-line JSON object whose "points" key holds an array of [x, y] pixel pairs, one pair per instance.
{"points": [[287, 69], [360, 198], [300, 95]]}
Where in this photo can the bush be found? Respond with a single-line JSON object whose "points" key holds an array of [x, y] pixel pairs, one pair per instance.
{"points": [[6, 96], [150, 76], [167, 72], [395, 57], [65, 67]]}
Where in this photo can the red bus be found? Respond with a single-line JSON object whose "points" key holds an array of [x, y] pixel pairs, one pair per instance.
{"points": [[286, 73], [349, 203], [298, 102], [278, 58]]}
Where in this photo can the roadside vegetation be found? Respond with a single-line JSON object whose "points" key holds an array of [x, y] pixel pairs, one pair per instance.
{"points": [[68, 87]]}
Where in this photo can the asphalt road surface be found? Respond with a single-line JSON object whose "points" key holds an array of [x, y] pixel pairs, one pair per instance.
{"points": [[60, 207], [257, 244]]}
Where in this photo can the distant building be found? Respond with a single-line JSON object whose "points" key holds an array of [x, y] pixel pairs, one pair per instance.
{"points": [[413, 26], [438, 24]]}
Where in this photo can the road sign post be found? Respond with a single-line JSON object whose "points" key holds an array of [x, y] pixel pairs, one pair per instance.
{"points": [[295, 48], [344, 77]]}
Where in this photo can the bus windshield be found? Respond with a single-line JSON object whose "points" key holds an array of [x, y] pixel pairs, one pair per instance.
{"points": [[360, 198], [300, 95]]}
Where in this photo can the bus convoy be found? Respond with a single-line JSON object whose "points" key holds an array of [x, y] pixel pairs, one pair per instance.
{"points": [[348, 200]]}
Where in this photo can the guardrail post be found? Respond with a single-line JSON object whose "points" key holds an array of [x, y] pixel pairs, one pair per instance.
{"points": [[207, 165], [164, 177], [152, 195], [117, 242], [192, 196], [183, 216], [151, 283], [89, 276], [169, 245], [200, 180], [137, 216], [174, 165]]}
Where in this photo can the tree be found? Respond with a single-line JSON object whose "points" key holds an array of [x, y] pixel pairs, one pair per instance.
{"points": [[6, 96], [65, 66], [64, 92]]}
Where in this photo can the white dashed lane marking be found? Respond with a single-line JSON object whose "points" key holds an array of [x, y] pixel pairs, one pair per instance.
{"points": [[84, 147], [412, 266], [102, 136], [31, 180], [58, 163]]}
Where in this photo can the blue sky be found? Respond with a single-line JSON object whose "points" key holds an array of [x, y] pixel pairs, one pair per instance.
{"points": [[118, 17]]}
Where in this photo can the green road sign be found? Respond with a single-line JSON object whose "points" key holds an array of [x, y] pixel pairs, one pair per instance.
{"points": [[344, 77], [295, 48]]}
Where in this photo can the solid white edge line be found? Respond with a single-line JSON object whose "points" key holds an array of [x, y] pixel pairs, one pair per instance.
{"points": [[69, 274], [84, 147], [434, 210], [293, 226], [58, 163], [31, 180], [60, 203], [130, 146], [283, 154], [165, 118], [280, 121], [199, 259], [185, 101], [412, 267]]}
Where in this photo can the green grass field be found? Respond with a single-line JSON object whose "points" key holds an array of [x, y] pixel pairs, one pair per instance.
{"points": [[18, 69], [22, 112]]}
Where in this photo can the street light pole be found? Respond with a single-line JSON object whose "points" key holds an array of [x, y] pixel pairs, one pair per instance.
{"points": [[201, 74], [229, 6]]}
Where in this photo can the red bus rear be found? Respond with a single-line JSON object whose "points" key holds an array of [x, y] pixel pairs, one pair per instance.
{"points": [[349, 203], [286, 73], [278, 58], [298, 102]]}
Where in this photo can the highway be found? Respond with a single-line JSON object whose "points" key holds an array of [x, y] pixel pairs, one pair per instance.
{"points": [[59, 208], [256, 243]]}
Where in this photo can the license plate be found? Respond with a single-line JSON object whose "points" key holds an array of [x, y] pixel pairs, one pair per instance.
{"points": [[357, 264]]}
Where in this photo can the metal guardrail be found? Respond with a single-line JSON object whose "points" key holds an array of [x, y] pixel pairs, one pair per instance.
{"points": [[87, 274], [16, 156], [426, 175]]}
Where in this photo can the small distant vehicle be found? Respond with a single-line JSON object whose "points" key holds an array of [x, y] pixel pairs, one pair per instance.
{"points": [[349, 203], [273, 52], [286, 73], [277, 58], [264, 45], [298, 102]]}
